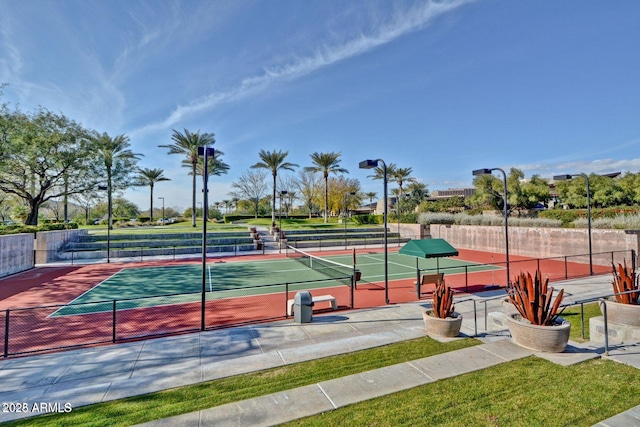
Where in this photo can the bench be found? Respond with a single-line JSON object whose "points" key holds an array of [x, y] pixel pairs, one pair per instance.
{"points": [[320, 298], [430, 278]]}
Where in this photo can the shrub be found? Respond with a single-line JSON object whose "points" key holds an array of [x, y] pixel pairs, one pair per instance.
{"points": [[427, 218], [367, 219], [535, 222], [566, 217]]}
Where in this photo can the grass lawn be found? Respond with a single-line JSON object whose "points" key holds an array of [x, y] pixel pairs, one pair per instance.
{"points": [[527, 392], [139, 409], [572, 314]]}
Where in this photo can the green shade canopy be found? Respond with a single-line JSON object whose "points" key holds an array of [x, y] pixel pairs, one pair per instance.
{"points": [[428, 248]]}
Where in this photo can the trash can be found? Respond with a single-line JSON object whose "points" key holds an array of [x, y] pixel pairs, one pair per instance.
{"points": [[302, 307]]}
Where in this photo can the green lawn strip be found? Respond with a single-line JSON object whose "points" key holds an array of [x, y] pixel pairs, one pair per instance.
{"points": [[527, 392], [182, 400], [572, 314]]}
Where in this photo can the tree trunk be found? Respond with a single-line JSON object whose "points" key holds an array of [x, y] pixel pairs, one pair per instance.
{"points": [[273, 209], [326, 198], [151, 204], [193, 205], [32, 218]]}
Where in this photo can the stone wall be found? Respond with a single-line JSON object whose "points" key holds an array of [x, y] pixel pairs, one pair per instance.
{"points": [[536, 242], [49, 242], [16, 253]]}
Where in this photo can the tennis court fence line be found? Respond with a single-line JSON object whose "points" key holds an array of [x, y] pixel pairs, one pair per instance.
{"points": [[57, 327]]}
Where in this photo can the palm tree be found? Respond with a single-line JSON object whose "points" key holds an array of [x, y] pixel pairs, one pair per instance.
{"points": [[215, 167], [150, 177], [326, 163], [371, 195], [378, 173], [400, 176], [119, 162], [187, 144], [274, 161]]}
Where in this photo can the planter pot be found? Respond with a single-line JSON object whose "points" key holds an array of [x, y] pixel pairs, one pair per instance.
{"points": [[448, 327], [548, 339], [624, 314], [508, 308]]}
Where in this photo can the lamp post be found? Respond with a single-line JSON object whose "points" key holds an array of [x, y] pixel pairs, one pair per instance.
{"points": [[370, 164], [206, 152], [586, 178], [282, 194], [479, 172], [162, 209]]}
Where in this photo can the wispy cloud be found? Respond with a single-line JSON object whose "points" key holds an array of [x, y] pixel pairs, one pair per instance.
{"points": [[399, 24], [600, 166]]}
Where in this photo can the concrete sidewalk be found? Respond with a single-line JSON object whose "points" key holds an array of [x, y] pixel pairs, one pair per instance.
{"points": [[92, 375]]}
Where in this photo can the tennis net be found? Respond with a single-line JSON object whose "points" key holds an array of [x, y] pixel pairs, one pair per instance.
{"points": [[334, 270]]}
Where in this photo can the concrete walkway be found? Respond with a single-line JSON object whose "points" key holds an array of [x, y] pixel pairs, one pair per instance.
{"points": [[92, 375]]}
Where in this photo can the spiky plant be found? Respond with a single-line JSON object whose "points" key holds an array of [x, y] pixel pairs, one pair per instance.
{"points": [[443, 300], [624, 280], [532, 298]]}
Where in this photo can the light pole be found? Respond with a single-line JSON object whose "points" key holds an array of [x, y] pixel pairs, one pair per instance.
{"points": [[282, 194], [370, 164], [162, 209], [479, 172], [206, 152], [586, 178]]}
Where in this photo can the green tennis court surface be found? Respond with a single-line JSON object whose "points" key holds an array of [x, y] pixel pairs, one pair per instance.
{"points": [[154, 286]]}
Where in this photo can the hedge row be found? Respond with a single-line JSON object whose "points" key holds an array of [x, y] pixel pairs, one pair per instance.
{"points": [[21, 228]]}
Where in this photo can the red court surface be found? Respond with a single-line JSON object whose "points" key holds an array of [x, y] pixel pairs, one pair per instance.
{"points": [[38, 289]]}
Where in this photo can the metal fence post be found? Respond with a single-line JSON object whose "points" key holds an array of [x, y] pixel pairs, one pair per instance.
{"points": [[606, 327], [286, 300], [466, 278], [6, 334], [582, 319], [475, 319], [113, 337]]}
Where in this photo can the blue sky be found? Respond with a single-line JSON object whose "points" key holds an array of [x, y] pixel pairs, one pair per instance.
{"points": [[442, 87]]}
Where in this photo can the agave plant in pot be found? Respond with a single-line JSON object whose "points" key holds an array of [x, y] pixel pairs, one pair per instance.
{"points": [[624, 308], [442, 319], [537, 324]]}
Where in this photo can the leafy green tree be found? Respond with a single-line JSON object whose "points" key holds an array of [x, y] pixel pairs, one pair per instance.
{"points": [[326, 163], [40, 151], [489, 192], [150, 177], [119, 164], [120, 208], [186, 144], [629, 185], [521, 195], [605, 191], [524, 195], [274, 161]]}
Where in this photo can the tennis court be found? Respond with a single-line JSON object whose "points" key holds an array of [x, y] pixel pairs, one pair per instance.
{"points": [[180, 284]]}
